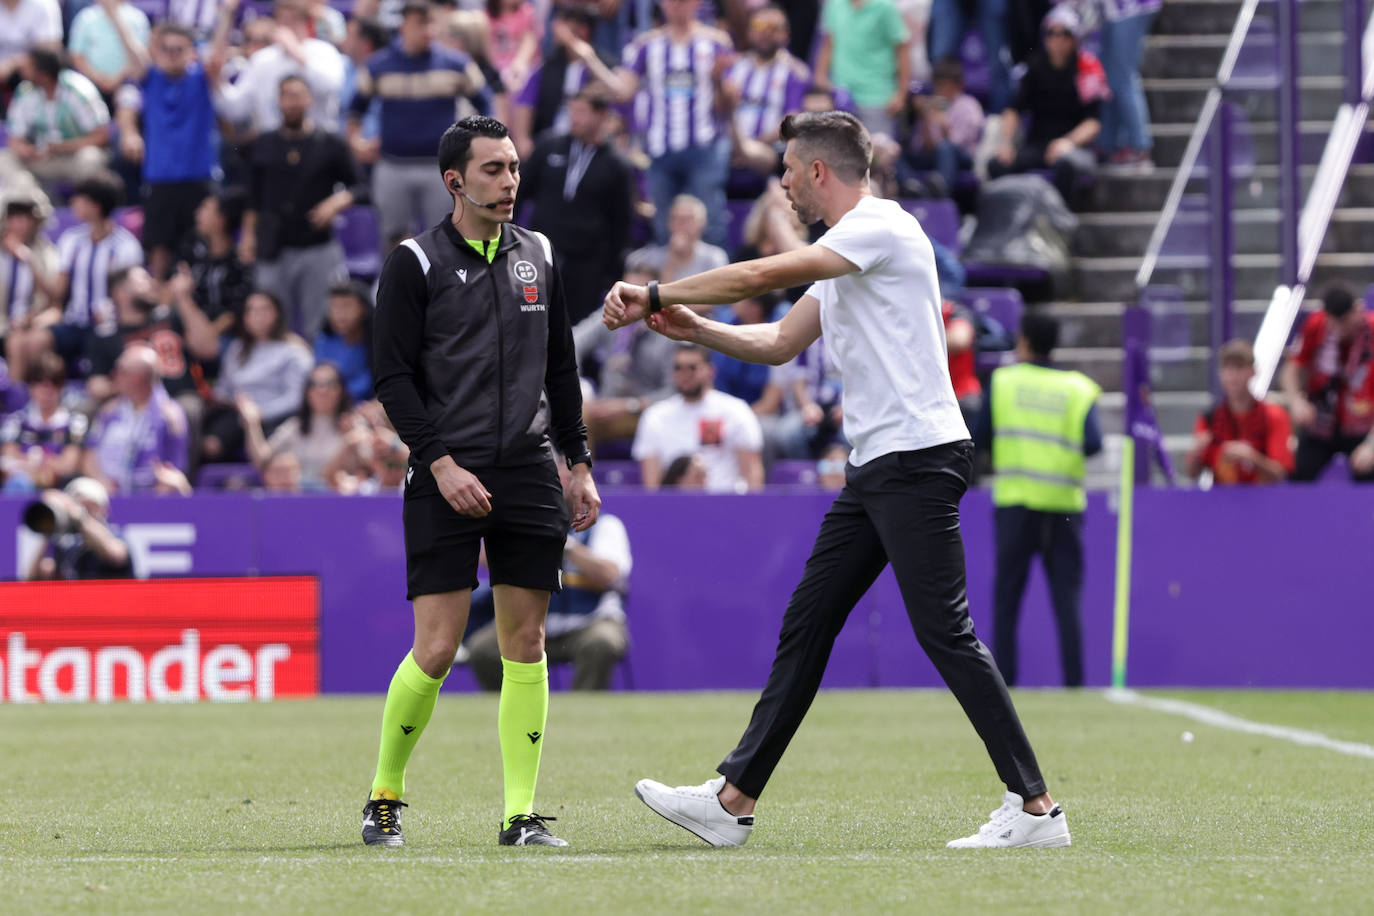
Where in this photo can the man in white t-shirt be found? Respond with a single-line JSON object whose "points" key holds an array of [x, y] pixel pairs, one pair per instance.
{"points": [[699, 420], [877, 301], [24, 24]]}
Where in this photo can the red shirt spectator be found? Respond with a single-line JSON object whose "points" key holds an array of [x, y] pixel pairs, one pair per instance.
{"points": [[1241, 440], [963, 367], [1336, 355]]}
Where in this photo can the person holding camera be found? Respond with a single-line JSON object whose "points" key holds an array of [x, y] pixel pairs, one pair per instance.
{"points": [[78, 542]]}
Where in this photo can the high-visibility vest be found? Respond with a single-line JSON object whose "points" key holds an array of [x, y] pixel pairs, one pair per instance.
{"points": [[1037, 437]]}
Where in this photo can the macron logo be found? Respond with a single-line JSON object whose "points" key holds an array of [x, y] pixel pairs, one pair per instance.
{"points": [[462, 275]]}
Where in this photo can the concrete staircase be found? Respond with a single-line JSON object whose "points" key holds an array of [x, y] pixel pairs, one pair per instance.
{"points": [[1179, 66]]}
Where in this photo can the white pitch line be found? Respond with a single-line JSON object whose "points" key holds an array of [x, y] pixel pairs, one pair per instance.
{"points": [[1210, 716]]}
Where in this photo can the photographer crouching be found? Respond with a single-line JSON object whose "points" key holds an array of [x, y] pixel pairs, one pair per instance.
{"points": [[77, 540]]}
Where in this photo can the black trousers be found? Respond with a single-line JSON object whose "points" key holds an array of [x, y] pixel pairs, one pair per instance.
{"points": [[901, 508], [1058, 538], [1315, 454]]}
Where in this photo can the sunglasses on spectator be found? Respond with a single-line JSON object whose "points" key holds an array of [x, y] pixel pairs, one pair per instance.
{"points": [[323, 383], [686, 367], [1058, 33]]}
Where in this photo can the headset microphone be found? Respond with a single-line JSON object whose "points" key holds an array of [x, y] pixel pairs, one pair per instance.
{"points": [[458, 189]]}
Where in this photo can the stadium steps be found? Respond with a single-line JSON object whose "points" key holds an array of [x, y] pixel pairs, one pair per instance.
{"points": [[1178, 67]]}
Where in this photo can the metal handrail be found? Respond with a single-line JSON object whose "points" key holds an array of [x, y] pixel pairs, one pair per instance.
{"points": [[1211, 104], [1315, 220]]}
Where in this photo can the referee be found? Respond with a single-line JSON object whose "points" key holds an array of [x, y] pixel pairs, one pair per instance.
{"points": [[471, 333], [876, 298]]}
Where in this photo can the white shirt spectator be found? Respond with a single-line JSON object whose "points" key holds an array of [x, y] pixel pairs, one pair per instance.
{"points": [[607, 540], [885, 334], [88, 265], [255, 97], [197, 15], [717, 426], [28, 23], [75, 110]]}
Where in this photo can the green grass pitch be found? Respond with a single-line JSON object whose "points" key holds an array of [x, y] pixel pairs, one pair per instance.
{"points": [[255, 809]]}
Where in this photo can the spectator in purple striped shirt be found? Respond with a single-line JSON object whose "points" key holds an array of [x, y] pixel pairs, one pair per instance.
{"points": [[763, 86], [138, 440], [680, 67]]}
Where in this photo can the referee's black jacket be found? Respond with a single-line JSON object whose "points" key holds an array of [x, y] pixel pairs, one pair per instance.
{"points": [[476, 359]]}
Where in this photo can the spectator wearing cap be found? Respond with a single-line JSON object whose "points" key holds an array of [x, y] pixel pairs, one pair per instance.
{"points": [[141, 434], [1240, 440], [761, 87], [300, 177], [1061, 95], [680, 67], [57, 122], [541, 104], [583, 195], [866, 49], [172, 91], [96, 49], [26, 24], [1328, 382], [88, 254], [417, 81], [89, 549], [254, 97], [29, 269], [40, 445]]}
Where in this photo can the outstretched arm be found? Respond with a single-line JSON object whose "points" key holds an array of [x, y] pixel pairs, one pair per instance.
{"points": [[774, 343], [626, 303]]}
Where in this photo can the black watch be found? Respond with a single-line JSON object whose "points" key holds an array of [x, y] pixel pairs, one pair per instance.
{"points": [[584, 458], [655, 301]]}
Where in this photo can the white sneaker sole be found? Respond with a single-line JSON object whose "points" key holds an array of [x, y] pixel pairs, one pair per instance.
{"points": [[694, 827], [1049, 842]]}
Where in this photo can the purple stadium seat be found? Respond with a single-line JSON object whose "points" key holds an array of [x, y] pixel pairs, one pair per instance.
{"points": [[62, 220], [939, 219], [155, 10], [131, 218], [227, 476], [617, 473], [984, 274], [792, 473], [1004, 306], [360, 235]]}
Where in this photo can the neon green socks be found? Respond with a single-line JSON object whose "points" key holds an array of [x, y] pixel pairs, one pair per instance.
{"points": [[520, 721], [409, 704]]}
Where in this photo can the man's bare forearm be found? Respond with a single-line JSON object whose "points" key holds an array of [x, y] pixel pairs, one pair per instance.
{"points": [[721, 286], [750, 343]]}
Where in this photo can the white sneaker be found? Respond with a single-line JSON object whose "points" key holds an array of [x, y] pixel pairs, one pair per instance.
{"points": [[697, 809], [1010, 826]]}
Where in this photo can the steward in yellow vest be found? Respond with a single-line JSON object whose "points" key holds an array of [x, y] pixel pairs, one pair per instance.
{"points": [[1042, 424]]}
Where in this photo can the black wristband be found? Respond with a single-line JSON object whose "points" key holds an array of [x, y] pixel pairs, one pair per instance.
{"points": [[584, 458], [655, 301]]}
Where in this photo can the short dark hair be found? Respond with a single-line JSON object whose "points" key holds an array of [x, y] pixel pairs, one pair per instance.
{"points": [[576, 13], [1041, 333], [49, 368], [677, 470], [373, 32], [415, 8], [1237, 353], [48, 61], [168, 27], [15, 207], [1338, 300], [836, 138], [686, 346], [353, 290], [293, 78], [104, 189], [950, 69], [231, 202], [455, 146]]}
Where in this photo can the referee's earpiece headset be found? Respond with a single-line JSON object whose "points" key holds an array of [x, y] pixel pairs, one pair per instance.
{"points": [[458, 189]]}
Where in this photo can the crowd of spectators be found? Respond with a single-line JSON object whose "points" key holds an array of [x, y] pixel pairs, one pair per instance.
{"points": [[175, 188]]}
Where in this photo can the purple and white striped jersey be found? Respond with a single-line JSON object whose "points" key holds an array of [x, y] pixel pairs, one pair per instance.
{"points": [[676, 80], [88, 265], [767, 92]]}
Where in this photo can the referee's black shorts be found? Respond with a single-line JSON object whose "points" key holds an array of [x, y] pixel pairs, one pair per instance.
{"points": [[525, 532]]}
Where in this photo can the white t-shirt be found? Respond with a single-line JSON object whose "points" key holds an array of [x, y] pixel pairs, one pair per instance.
{"points": [[885, 334], [29, 23], [717, 426], [256, 96]]}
